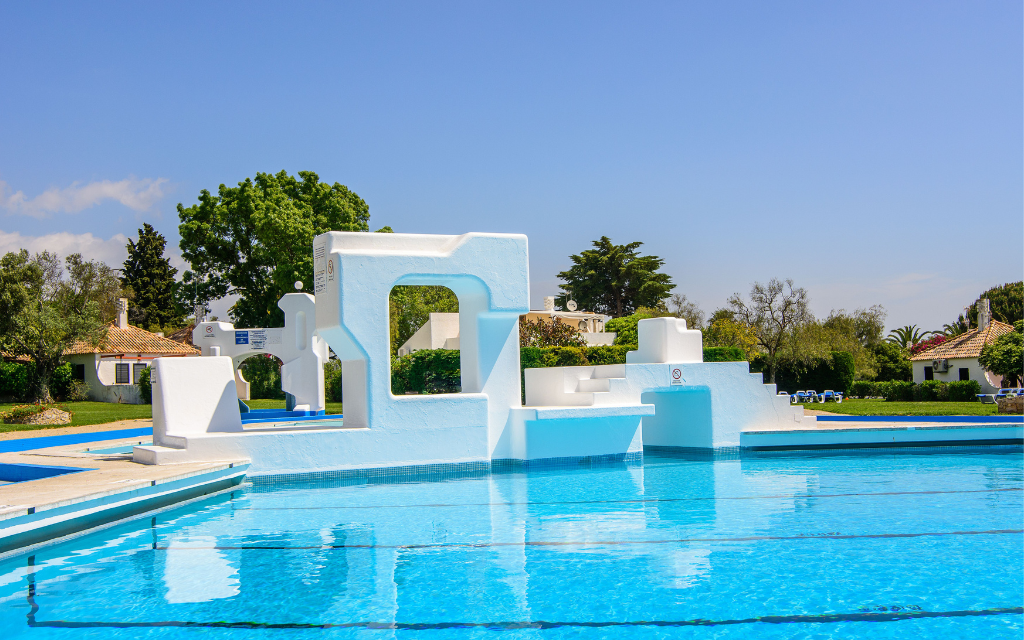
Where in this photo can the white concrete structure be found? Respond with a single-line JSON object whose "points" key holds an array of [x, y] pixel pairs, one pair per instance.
{"points": [[440, 331], [663, 396], [302, 352]]}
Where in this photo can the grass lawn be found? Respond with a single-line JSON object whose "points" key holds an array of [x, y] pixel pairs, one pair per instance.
{"points": [[332, 407], [85, 413], [855, 407]]}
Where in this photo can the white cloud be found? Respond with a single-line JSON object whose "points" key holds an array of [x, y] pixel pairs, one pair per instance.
{"points": [[110, 251], [138, 195]]}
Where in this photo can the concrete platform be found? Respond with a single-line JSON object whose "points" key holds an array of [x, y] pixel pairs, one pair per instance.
{"points": [[104, 488], [846, 432]]}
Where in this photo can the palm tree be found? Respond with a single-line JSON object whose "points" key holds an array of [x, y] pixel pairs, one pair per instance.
{"points": [[908, 336], [960, 327]]}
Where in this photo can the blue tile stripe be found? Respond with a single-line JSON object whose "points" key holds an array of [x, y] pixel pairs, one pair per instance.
{"points": [[892, 615], [27, 444], [1002, 419]]}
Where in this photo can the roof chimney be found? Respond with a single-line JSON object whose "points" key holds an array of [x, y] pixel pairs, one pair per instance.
{"points": [[122, 313], [984, 314]]}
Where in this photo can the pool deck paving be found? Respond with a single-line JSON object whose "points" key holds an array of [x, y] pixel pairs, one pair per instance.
{"points": [[109, 487]]}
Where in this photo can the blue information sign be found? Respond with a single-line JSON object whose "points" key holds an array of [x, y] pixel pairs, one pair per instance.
{"points": [[241, 337]]}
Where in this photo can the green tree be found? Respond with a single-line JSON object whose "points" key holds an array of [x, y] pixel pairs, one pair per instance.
{"points": [[537, 333], [150, 277], [410, 307], [614, 279], [1006, 302], [255, 240], [775, 310], [1005, 356], [891, 363], [62, 308]]}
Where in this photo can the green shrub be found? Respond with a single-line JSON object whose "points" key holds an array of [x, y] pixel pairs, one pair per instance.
{"points": [[930, 391], [963, 391], [332, 380], [427, 371], [615, 354], [61, 380], [835, 373], [897, 391], [263, 372], [14, 380], [865, 389], [146, 385], [78, 391], [724, 354]]}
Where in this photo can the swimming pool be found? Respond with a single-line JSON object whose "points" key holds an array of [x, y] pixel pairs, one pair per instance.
{"points": [[859, 545]]}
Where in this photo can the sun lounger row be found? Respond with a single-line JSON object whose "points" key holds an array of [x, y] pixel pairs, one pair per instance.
{"points": [[1010, 392], [813, 396]]}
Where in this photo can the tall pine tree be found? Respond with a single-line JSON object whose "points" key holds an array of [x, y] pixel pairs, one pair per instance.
{"points": [[151, 278]]}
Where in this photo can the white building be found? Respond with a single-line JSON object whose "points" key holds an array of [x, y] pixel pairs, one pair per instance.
{"points": [[441, 330], [957, 358], [112, 368]]}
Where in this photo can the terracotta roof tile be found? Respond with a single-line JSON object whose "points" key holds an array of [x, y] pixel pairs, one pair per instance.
{"points": [[967, 345], [133, 340], [183, 335]]}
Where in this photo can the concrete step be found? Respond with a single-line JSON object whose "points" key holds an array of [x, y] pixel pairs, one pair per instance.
{"points": [[156, 454], [594, 385], [609, 371]]}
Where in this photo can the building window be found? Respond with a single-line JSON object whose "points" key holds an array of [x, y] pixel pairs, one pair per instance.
{"points": [[121, 373], [137, 370], [79, 372], [929, 373], [965, 373]]}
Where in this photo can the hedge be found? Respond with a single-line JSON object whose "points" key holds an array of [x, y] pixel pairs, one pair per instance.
{"points": [[927, 391], [833, 373], [437, 371], [14, 381]]}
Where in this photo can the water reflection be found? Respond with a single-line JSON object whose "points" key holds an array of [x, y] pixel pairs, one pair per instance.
{"points": [[195, 572]]}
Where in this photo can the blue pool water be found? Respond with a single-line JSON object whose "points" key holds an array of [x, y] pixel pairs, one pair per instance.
{"points": [[865, 545]]}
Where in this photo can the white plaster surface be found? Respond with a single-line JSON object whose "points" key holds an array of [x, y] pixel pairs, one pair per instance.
{"points": [[666, 340], [302, 352]]}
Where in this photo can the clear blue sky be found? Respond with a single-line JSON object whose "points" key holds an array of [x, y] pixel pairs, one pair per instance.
{"points": [[871, 151]]}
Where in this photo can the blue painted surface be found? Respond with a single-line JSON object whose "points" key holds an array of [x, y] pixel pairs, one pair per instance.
{"points": [[27, 444], [281, 415], [862, 546], [22, 472], [1003, 419]]}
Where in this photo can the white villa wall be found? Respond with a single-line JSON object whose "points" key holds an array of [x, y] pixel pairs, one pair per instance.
{"points": [[989, 382], [100, 376]]}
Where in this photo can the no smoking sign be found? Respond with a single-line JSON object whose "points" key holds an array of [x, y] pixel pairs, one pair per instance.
{"points": [[677, 376]]}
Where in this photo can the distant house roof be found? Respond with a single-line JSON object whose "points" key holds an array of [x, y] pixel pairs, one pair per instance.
{"points": [[966, 345], [131, 339], [183, 335], [11, 357]]}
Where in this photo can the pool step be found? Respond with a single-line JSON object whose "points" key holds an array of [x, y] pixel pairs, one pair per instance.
{"points": [[157, 454]]}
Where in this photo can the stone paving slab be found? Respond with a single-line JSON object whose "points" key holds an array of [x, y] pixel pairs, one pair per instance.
{"points": [[105, 474]]}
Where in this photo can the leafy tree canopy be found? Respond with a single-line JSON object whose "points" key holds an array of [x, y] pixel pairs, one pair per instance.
{"points": [[150, 278], [410, 308], [255, 240], [59, 306], [1005, 356], [537, 333], [1006, 302], [614, 279], [891, 363]]}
